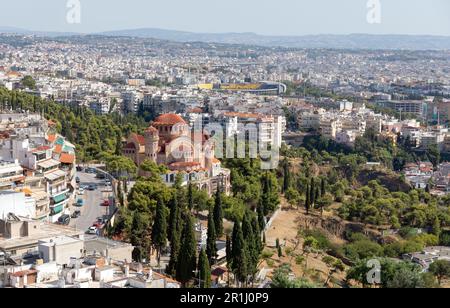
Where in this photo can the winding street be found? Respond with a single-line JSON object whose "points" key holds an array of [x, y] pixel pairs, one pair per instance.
{"points": [[92, 208]]}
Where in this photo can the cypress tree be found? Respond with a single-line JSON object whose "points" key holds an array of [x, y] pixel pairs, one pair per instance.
{"points": [[175, 228], [218, 214], [266, 196], [239, 263], [190, 197], [211, 247], [286, 175], [258, 246], [187, 258], [173, 217], [159, 230], [308, 200], [261, 217], [322, 187], [204, 270], [317, 195], [312, 192], [229, 256], [257, 235], [250, 244]]}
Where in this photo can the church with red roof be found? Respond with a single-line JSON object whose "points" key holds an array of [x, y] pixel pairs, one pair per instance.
{"points": [[169, 141]]}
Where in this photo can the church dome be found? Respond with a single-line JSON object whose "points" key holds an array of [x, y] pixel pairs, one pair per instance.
{"points": [[169, 119]]}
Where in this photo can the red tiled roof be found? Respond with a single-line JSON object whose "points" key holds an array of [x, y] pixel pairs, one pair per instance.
{"points": [[140, 139], [169, 119]]}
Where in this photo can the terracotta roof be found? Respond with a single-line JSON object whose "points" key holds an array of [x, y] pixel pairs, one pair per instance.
{"points": [[58, 149], [42, 148], [195, 110], [67, 158], [140, 139], [169, 119], [51, 138], [23, 273]]}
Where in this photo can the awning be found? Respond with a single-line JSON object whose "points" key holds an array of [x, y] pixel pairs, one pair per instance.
{"points": [[49, 163], [55, 175], [57, 209], [59, 198]]}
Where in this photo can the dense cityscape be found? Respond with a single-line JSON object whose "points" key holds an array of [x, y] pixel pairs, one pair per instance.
{"points": [[134, 162]]}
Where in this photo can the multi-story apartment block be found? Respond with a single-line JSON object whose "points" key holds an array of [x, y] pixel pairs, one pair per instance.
{"points": [[38, 163]]}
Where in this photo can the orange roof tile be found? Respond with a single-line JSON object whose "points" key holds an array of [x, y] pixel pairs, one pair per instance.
{"points": [[58, 149], [67, 158], [51, 138], [169, 119]]}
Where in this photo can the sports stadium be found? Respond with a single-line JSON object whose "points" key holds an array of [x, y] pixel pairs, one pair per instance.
{"points": [[261, 88]]}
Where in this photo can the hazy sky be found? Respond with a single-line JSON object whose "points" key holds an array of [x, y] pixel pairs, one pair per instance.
{"points": [[280, 17]]}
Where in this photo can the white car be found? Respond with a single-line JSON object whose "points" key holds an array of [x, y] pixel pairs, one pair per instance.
{"points": [[81, 191], [92, 230]]}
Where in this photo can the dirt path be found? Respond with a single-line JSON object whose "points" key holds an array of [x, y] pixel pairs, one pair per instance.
{"points": [[285, 227]]}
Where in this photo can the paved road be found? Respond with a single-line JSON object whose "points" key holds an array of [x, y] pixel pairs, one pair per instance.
{"points": [[92, 208]]}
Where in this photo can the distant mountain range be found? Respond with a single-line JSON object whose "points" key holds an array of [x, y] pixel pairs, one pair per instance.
{"points": [[351, 41]]}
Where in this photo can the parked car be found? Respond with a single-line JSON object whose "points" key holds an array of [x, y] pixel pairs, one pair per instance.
{"points": [[97, 224], [90, 170], [106, 203], [80, 203], [76, 214], [81, 191], [79, 169], [101, 176], [64, 220], [92, 187], [77, 180], [92, 230]]}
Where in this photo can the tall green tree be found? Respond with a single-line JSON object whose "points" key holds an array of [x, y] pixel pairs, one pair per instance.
{"points": [[229, 255], [159, 230], [218, 213], [250, 244], [187, 258], [175, 229], [312, 192], [211, 247], [308, 200], [239, 253], [204, 270], [323, 190], [286, 175], [190, 197], [261, 216], [140, 236]]}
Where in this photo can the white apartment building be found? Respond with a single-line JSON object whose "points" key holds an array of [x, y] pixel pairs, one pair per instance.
{"points": [[10, 174], [101, 105]]}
